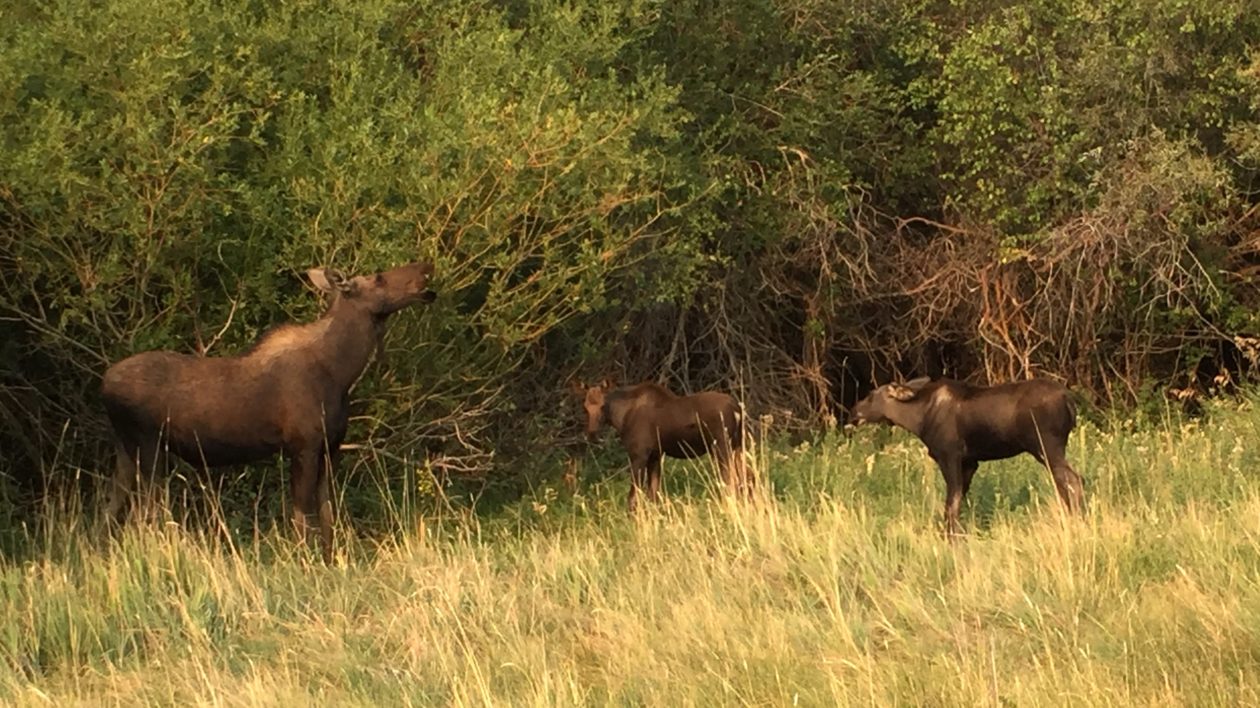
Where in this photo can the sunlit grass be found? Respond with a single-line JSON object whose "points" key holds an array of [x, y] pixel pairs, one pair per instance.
{"points": [[837, 589]]}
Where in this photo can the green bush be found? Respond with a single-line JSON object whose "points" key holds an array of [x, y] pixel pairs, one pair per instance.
{"points": [[787, 199], [169, 172]]}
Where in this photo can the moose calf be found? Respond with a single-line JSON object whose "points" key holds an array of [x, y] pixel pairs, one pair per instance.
{"points": [[964, 425], [653, 421]]}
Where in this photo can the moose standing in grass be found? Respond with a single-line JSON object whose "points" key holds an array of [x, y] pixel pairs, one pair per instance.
{"points": [[964, 425], [289, 393], [653, 421]]}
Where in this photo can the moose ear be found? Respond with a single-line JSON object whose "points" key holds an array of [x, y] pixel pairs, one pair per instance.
{"points": [[900, 392], [607, 383], [319, 278], [916, 384], [330, 280], [576, 387]]}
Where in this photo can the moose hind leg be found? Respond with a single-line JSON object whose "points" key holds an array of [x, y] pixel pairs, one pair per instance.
{"points": [[727, 463], [638, 475], [745, 473], [969, 468], [1068, 483], [653, 471]]}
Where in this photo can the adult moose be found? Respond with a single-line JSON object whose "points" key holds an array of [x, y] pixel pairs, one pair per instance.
{"points": [[964, 425], [653, 421], [289, 393]]}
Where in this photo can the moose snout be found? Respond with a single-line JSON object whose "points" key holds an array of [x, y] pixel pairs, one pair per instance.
{"points": [[428, 296]]}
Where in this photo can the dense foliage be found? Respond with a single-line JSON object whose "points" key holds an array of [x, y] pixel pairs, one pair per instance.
{"points": [[786, 198]]}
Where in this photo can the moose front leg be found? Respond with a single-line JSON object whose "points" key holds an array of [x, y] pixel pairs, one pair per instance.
{"points": [[135, 468], [952, 470], [323, 500], [303, 481], [123, 483]]}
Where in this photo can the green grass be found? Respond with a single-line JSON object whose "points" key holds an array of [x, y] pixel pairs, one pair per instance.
{"points": [[837, 590]]}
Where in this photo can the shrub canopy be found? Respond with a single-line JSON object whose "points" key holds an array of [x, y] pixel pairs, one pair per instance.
{"points": [[790, 199]]}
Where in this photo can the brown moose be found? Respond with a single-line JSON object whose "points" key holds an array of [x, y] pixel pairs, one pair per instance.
{"points": [[963, 425], [289, 393], [653, 421]]}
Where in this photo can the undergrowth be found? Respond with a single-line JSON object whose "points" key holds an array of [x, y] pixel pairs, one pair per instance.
{"points": [[835, 587]]}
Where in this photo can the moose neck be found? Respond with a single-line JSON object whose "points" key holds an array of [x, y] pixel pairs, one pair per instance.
{"points": [[907, 415], [616, 406], [351, 336]]}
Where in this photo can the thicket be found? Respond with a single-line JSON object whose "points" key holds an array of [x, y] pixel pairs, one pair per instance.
{"points": [[790, 198]]}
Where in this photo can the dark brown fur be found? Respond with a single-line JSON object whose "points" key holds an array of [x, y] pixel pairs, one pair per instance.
{"points": [[653, 421], [289, 393], [964, 425]]}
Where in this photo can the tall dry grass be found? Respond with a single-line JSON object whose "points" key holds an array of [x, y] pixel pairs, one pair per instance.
{"points": [[838, 589]]}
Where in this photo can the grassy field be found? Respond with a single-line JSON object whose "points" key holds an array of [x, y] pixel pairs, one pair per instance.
{"points": [[838, 590]]}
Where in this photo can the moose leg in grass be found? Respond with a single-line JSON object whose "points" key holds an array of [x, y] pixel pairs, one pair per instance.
{"points": [[963, 425], [134, 462], [323, 492], [653, 422], [289, 393]]}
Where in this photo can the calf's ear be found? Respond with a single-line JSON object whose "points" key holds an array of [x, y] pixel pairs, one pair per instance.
{"points": [[330, 280], [900, 392], [319, 278], [576, 387], [916, 384]]}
